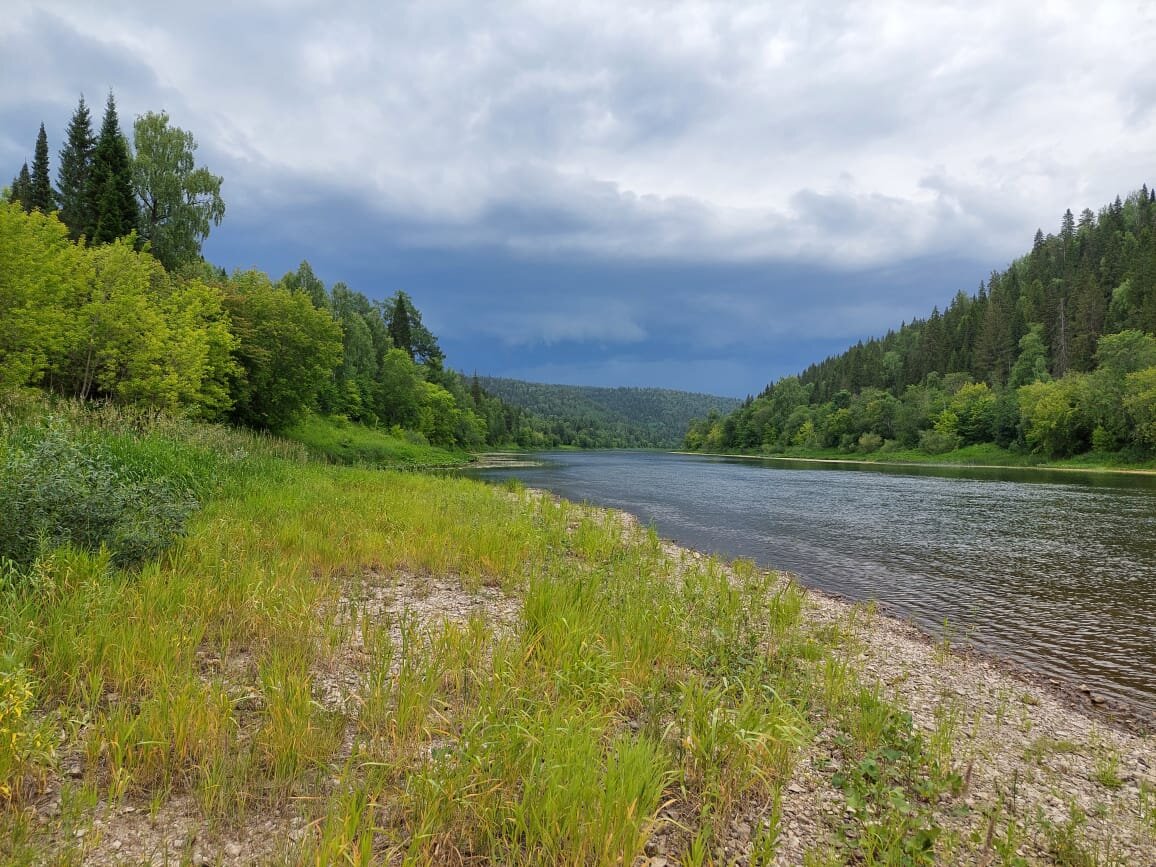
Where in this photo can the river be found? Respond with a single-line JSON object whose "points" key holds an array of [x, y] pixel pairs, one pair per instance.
{"points": [[1052, 571]]}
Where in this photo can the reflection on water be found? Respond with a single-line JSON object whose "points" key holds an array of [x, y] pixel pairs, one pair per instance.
{"points": [[1056, 571]]}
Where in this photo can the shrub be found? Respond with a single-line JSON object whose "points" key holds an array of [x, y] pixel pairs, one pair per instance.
{"points": [[936, 442], [870, 442], [57, 488]]}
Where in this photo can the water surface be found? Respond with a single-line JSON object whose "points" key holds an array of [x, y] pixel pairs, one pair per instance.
{"points": [[1053, 571]]}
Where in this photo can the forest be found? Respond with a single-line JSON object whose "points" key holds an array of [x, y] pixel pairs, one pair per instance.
{"points": [[105, 296], [1051, 358], [590, 417]]}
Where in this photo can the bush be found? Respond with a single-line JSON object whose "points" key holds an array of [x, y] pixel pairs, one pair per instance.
{"points": [[57, 488], [869, 442], [936, 442]]}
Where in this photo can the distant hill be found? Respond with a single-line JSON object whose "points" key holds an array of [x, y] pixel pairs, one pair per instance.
{"points": [[609, 417]]}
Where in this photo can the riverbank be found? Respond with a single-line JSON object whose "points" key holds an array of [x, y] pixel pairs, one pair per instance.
{"points": [[1046, 777], [963, 459], [340, 664]]}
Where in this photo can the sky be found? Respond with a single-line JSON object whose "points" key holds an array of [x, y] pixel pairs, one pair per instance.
{"points": [[696, 195]]}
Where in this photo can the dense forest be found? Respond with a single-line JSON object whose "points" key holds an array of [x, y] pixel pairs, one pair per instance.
{"points": [[104, 295], [592, 417], [1054, 356]]}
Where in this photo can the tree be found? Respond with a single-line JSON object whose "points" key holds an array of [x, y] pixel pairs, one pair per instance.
{"points": [[399, 330], [41, 195], [1055, 420], [408, 332], [1140, 402], [21, 192], [109, 203], [139, 337], [178, 200], [305, 281], [1031, 366], [287, 350], [75, 170], [39, 273]]}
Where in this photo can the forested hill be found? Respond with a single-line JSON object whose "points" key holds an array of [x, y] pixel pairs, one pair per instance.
{"points": [[608, 417], [1054, 355]]}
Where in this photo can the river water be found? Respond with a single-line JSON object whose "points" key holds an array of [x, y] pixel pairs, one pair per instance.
{"points": [[1052, 571]]}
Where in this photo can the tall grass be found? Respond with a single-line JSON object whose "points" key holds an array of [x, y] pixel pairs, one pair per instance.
{"points": [[631, 690]]}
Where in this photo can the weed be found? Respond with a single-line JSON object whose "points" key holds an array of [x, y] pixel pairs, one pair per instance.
{"points": [[1065, 841], [1043, 747], [1146, 806], [1107, 772]]}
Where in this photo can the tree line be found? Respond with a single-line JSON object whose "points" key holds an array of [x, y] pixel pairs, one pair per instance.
{"points": [[591, 417], [1055, 355], [104, 295], [106, 190]]}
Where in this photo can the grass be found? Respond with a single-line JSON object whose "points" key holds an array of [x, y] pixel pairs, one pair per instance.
{"points": [[270, 663], [344, 442]]}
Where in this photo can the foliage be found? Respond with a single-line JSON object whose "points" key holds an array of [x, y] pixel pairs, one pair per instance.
{"points": [[286, 349], [58, 488], [109, 201], [27, 745], [74, 170], [41, 196], [179, 201], [37, 268], [592, 417], [21, 190], [107, 322], [403, 322]]}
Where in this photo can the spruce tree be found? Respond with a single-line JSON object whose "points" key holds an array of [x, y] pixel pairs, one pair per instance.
{"points": [[42, 197], [21, 191], [109, 198], [399, 329], [75, 171]]}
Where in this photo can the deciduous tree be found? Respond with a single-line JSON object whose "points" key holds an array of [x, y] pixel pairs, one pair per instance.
{"points": [[179, 201]]}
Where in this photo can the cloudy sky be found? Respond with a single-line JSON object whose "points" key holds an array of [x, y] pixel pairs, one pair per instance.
{"points": [[698, 195]]}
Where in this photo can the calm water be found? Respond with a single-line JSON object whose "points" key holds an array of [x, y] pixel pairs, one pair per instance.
{"points": [[1053, 571]]}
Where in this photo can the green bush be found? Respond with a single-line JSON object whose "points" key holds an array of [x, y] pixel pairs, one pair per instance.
{"points": [[58, 487], [936, 442]]}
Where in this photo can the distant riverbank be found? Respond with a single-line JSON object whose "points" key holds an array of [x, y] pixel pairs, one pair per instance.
{"points": [[982, 457]]}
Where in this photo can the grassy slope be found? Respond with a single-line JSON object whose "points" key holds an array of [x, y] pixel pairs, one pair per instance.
{"points": [[345, 442], [625, 686]]}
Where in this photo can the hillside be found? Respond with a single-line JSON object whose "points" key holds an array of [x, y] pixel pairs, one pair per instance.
{"points": [[1053, 357], [588, 416]]}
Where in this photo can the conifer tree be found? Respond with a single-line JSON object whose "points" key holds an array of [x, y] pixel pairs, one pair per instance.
{"points": [[109, 198], [41, 195], [399, 329], [75, 171], [21, 191]]}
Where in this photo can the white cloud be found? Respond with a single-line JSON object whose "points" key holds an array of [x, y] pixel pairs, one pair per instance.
{"points": [[850, 133]]}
